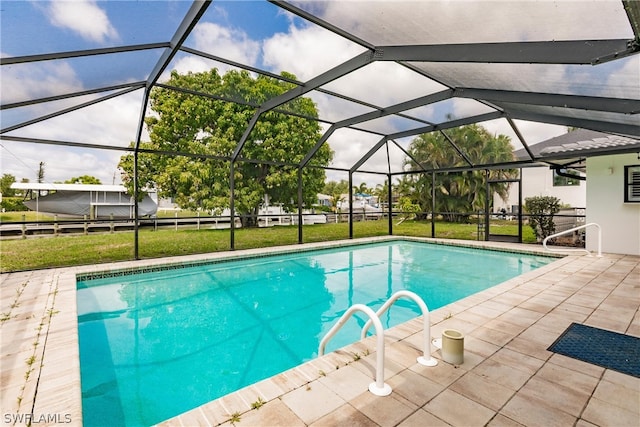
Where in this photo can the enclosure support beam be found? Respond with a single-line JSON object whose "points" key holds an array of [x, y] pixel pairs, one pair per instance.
{"points": [[343, 69], [367, 156], [137, 85], [433, 204], [245, 135], [136, 183], [521, 138], [458, 150], [597, 125], [68, 110], [448, 125], [487, 217], [388, 186], [594, 103], [389, 202], [136, 245], [80, 53], [520, 205], [195, 12], [409, 155], [318, 145], [394, 109], [300, 202], [398, 108], [320, 22], [351, 204], [584, 52], [232, 205]]}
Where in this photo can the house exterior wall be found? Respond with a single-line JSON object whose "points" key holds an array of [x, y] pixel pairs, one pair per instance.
{"points": [[620, 222], [538, 181]]}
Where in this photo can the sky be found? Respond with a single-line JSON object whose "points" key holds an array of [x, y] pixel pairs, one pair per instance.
{"points": [[252, 32]]}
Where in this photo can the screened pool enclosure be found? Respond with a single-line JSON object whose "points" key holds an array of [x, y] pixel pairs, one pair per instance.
{"points": [[78, 80]]}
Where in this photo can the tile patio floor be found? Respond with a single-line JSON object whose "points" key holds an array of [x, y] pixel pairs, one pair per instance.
{"points": [[508, 378]]}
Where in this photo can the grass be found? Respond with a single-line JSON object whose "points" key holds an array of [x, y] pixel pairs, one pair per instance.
{"points": [[70, 250], [24, 216]]}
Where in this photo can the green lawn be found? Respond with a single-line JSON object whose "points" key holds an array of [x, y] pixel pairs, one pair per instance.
{"points": [[69, 250], [24, 216]]}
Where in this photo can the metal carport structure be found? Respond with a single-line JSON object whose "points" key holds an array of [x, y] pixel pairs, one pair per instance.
{"points": [[564, 63]]}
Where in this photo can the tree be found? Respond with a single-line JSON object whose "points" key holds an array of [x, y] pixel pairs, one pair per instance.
{"points": [[5, 185], [84, 179], [41, 172], [210, 127], [541, 210], [336, 190], [382, 192], [361, 189], [457, 193], [408, 209]]}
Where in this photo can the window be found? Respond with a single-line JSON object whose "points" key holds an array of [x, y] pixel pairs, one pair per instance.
{"points": [[562, 181], [632, 184]]}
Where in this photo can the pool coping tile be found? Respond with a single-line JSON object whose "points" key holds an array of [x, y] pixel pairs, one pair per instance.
{"points": [[517, 307]]}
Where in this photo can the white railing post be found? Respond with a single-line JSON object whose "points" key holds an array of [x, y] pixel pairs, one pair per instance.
{"points": [[544, 242], [426, 359], [379, 388]]}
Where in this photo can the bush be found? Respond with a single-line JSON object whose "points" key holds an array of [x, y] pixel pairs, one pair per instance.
{"points": [[13, 204], [322, 208], [541, 210]]}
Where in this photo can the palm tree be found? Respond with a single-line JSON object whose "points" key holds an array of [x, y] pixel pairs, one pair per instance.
{"points": [[381, 192], [335, 198], [335, 191], [397, 190], [458, 193], [362, 188]]}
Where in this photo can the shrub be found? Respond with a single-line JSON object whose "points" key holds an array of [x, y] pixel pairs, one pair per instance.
{"points": [[541, 210], [13, 204]]}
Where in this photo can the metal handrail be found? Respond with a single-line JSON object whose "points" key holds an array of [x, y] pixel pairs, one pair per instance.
{"points": [[544, 242], [379, 388], [426, 359]]}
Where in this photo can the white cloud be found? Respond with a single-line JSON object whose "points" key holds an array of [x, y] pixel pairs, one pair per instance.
{"points": [[310, 51], [190, 63], [112, 122], [37, 80], [307, 52], [620, 82], [227, 43], [61, 163], [84, 17], [532, 132]]}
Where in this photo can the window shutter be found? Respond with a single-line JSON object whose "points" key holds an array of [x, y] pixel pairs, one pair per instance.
{"points": [[632, 184]]}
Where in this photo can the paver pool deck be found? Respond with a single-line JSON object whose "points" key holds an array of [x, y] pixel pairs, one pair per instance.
{"points": [[508, 378]]}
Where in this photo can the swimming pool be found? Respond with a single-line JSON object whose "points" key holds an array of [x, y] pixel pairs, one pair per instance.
{"points": [[156, 344]]}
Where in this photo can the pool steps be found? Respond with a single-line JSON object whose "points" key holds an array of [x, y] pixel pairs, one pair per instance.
{"points": [[426, 359], [379, 387]]}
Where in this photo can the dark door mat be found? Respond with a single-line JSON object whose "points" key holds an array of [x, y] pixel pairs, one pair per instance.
{"points": [[600, 347]]}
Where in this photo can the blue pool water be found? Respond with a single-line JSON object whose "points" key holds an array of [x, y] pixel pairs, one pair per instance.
{"points": [[154, 345]]}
